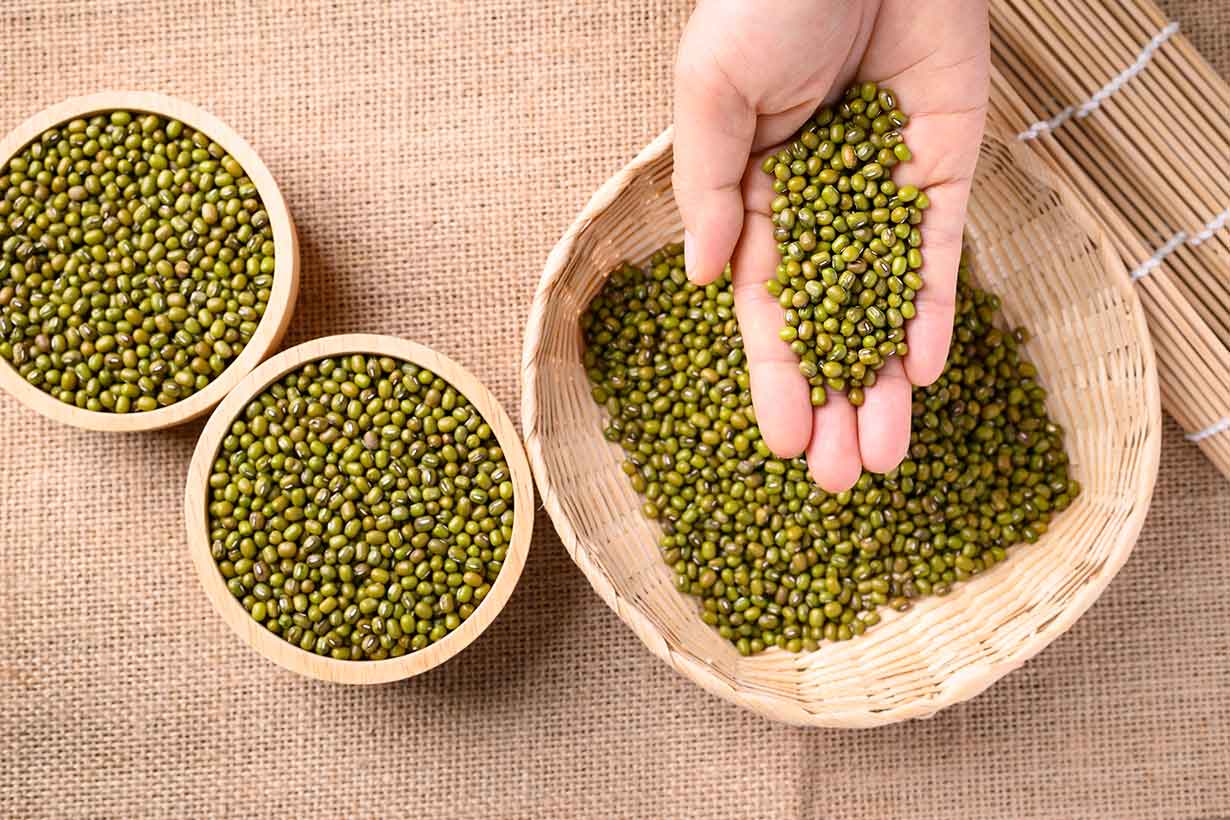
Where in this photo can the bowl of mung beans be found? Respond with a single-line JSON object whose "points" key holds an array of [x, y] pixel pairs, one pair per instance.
{"points": [[1031, 460], [359, 509], [147, 261]]}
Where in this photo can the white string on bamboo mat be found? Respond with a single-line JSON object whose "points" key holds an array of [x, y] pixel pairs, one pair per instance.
{"points": [[1149, 265], [1211, 227], [1103, 94], [1203, 235], [1219, 426]]}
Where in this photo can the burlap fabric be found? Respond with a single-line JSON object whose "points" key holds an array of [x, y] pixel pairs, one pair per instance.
{"points": [[432, 153]]}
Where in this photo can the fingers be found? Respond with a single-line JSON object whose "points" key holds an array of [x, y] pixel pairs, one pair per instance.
{"points": [[876, 436], [941, 78], [780, 394], [945, 151], [930, 331], [714, 127], [884, 419], [833, 455]]}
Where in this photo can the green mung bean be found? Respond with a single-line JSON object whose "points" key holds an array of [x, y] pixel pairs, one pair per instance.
{"points": [[340, 508], [775, 560], [136, 261], [848, 245]]}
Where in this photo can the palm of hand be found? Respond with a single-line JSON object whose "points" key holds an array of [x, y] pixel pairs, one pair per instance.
{"points": [[748, 77]]}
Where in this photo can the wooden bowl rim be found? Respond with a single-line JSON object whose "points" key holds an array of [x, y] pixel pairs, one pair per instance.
{"points": [[274, 647], [960, 687], [282, 297]]}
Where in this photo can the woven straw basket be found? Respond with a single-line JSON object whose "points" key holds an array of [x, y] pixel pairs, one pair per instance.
{"points": [[1033, 244]]}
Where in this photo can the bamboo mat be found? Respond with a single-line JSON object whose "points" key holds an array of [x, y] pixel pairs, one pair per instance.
{"points": [[1116, 94], [432, 154]]}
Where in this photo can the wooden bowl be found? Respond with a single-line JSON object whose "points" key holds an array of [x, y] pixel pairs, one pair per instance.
{"points": [[1043, 252], [274, 647], [285, 276]]}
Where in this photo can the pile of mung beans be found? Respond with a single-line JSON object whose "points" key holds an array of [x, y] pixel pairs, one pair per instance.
{"points": [[136, 261], [360, 508], [849, 241], [775, 560]]}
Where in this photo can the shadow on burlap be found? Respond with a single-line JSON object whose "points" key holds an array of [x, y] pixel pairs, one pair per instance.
{"points": [[432, 153]]}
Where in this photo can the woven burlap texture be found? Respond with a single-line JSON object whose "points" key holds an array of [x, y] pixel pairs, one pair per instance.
{"points": [[432, 153]]}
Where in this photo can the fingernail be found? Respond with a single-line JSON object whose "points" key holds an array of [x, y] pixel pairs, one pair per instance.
{"points": [[689, 256]]}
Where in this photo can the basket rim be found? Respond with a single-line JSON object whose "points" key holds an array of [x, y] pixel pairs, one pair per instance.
{"points": [[959, 687]]}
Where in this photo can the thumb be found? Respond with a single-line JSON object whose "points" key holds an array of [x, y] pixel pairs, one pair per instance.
{"points": [[714, 128]]}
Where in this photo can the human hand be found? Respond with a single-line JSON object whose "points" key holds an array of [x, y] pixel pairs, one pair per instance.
{"points": [[747, 77]]}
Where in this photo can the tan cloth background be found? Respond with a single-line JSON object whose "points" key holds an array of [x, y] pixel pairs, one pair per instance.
{"points": [[432, 153]]}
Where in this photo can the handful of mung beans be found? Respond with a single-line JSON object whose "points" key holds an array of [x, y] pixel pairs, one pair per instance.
{"points": [[849, 241], [136, 261], [360, 507], [775, 560]]}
